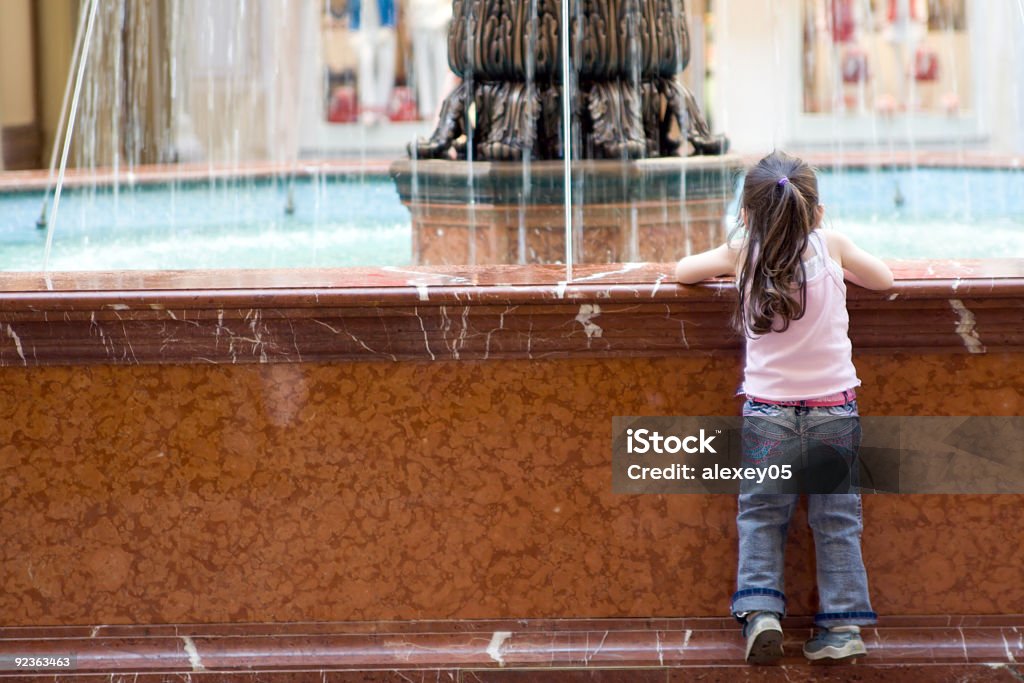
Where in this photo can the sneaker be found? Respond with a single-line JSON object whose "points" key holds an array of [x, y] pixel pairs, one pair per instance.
{"points": [[764, 638], [837, 644]]}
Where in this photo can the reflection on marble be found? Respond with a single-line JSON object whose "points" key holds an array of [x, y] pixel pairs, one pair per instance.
{"points": [[976, 276]]}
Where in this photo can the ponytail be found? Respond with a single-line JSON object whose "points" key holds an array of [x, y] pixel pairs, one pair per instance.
{"points": [[779, 199]]}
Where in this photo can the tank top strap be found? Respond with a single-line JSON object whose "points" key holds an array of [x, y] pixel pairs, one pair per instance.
{"points": [[830, 265], [820, 244]]}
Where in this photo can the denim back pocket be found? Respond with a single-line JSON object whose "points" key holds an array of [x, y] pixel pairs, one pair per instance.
{"points": [[833, 436], [768, 432], [838, 425]]}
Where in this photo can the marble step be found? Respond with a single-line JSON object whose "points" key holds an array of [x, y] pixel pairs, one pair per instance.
{"points": [[927, 648]]}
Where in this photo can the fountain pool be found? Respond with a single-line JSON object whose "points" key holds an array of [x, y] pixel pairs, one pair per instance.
{"points": [[358, 220]]}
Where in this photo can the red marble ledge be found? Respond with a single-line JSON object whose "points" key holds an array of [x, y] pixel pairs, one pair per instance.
{"points": [[18, 181], [464, 314], [910, 159], [932, 275], [496, 645], [37, 180]]}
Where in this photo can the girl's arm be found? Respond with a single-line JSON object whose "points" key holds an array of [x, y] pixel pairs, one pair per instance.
{"points": [[860, 267], [719, 261]]}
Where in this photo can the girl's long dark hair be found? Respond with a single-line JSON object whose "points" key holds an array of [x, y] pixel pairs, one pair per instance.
{"points": [[780, 199]]}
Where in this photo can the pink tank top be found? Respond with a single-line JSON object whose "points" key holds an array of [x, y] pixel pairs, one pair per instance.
{"points": [[813, 357]]}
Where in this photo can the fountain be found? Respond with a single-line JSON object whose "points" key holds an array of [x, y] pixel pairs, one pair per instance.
{"points": [[385, 472], [500, 145]]}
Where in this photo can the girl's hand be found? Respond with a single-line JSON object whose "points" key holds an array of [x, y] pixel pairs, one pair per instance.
{"points": [[719, 261]]}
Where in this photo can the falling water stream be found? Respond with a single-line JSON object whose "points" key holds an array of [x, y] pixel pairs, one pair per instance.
{"points": [[76, 53], [530, 64], [568, 95], [70, 129], [470, 126]]}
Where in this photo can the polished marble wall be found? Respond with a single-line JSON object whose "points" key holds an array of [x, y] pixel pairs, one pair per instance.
{"points": [[444, 490]]}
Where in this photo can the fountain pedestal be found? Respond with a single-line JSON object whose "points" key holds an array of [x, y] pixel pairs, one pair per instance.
{"points": [[509, 212]]}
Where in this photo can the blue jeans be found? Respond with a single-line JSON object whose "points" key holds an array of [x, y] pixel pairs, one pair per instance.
{"points": [[776, 434]]}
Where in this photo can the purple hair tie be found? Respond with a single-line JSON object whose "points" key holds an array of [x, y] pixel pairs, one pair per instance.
{"points": [[783, 181]]}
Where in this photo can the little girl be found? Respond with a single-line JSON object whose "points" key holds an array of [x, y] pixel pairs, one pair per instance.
{"points": [[799, 380]]}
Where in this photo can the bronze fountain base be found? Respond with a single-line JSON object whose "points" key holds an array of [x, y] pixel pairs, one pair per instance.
{"points": [[634, 198]]}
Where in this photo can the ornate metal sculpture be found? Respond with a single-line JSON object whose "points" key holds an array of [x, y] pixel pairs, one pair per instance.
{"points": [[625, 56]]}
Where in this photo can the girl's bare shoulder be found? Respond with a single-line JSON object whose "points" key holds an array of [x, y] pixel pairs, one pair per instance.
{"points": [[736, 247], [836, 243]]}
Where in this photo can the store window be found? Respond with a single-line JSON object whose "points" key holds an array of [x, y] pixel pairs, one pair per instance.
{"points": [[886, 57], [386, 61]]}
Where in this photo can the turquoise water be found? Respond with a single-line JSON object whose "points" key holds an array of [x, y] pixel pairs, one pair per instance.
{"points": [[929, 213], [243, 224], [359, 221]]}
